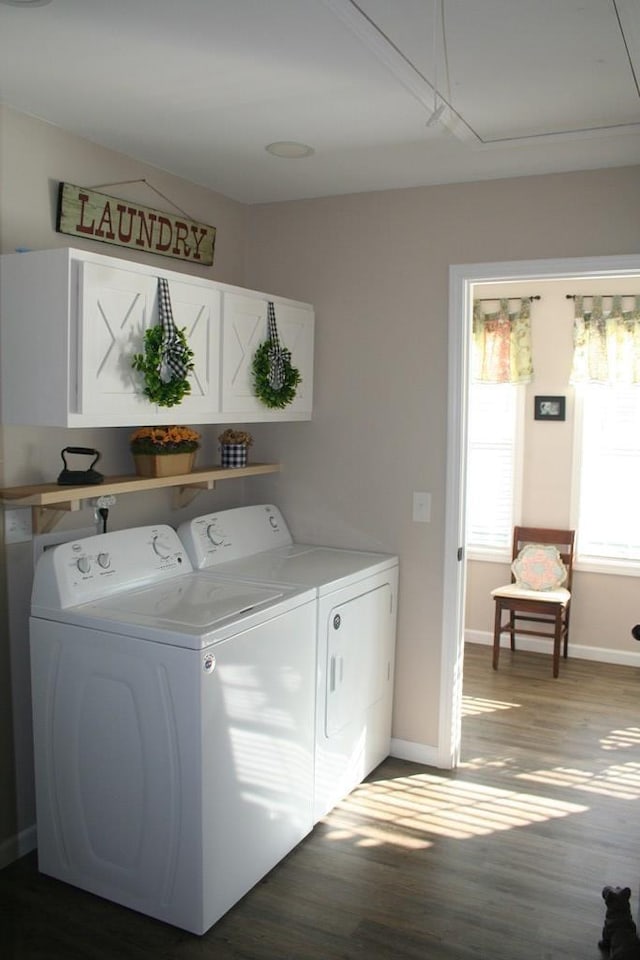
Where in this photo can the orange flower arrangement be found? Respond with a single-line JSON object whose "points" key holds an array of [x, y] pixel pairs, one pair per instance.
{"points": [[161, 440]]}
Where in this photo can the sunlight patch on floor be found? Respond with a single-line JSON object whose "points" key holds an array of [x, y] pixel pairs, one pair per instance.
{"points": [[621, 781], [476, 706], [408, 811], [481, 763], [621, 739]]}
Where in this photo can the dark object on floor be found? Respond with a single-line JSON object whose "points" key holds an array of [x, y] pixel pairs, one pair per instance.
{"points": [[619, 937], [79, 478], [635, 633]]}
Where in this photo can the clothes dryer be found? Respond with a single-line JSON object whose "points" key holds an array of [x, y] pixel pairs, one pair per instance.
{"points": [[355, 630], [173, 725]]}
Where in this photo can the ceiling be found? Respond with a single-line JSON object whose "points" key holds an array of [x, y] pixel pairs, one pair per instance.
{"points": [[200, 87]]}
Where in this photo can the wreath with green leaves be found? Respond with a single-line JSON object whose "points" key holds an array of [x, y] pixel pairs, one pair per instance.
{"points": [[166, 393], [262, 387]]}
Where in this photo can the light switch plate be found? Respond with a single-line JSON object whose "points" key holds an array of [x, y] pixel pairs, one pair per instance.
{"points": [[421, 507]]}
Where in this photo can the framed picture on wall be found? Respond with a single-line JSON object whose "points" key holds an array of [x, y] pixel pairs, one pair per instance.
{"points": [[549, 408]]}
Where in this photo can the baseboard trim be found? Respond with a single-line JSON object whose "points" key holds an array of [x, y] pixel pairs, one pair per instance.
{"points": [[416, 752], [625, 658], [17, 846]]}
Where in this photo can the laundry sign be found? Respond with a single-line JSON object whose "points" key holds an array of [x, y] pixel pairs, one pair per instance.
{"points": [[85, 213]]}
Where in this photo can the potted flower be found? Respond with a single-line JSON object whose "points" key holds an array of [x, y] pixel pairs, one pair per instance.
{"points": [[234, 447], [164, 451]]}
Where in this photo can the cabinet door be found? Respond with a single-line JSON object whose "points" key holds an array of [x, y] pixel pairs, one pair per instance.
{"points": [[295, 329], [244, 329], [196, 309], [115, 307]]}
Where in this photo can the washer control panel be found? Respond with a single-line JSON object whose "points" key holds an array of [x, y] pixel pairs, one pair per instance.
{"points": [[81, 571]]}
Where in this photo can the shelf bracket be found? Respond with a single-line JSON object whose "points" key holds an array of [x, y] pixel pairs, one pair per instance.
{"points": [[44, 519], [183, 496]]}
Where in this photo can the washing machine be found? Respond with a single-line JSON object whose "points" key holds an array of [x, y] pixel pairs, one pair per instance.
{"points": [[355, 631], [173, 724]]}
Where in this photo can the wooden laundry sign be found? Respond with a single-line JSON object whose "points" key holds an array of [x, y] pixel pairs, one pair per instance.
{"points": [[85, 213]]}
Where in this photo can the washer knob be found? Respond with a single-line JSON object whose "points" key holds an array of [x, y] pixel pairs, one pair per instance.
{"points": [[161, 548], [216, 538], [83, 564], [104, 560]]}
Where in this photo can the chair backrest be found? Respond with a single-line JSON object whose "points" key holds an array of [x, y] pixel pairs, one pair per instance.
{"points": [[564, 540]]}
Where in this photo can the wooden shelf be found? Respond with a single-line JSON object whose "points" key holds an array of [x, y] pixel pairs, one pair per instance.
{"points": [[57, 500]]}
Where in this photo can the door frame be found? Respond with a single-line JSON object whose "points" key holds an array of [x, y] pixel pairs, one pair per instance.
{"points": [[462, 278]]}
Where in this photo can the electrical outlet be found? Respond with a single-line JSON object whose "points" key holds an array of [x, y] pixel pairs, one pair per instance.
{"points": [[17, 525], [104, 502]]}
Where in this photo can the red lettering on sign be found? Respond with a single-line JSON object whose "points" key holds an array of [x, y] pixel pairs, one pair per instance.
{"points": [[122, 236], [182, 232], [106, 220], [160, 243], [147, 228], [203, 233], [82, 227]]}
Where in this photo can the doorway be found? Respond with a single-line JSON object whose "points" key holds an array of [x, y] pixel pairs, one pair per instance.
{"points": [[462, 279]]}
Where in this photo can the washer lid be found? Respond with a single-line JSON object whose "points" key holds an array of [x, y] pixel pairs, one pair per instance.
{"points": [[190, 611]]}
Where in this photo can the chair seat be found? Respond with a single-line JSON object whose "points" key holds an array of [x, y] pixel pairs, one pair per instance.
{"points": [[511, 591]]}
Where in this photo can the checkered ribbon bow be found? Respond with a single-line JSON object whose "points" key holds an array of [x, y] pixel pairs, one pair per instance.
{"points": [[174, 362], [277, 354]]}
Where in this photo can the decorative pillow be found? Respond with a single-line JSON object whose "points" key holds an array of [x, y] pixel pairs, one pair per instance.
{"points": [[539, 566]]}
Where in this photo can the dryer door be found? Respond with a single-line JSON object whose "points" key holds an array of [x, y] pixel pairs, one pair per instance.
{"points": [[358, 658], [356, 645]]}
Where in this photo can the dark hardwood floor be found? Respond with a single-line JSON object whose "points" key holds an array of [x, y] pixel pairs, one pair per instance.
{"points": [[502, 859]]}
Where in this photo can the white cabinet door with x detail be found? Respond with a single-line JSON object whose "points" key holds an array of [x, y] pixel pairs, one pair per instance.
{"points": [[116, 306], [244, 330], [196, 310]]}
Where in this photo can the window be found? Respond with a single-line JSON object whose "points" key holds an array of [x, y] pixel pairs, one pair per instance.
{"points": [[606, 474], [494, 468]]}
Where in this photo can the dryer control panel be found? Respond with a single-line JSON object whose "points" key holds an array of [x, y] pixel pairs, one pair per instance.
{"points": [[233, 534], [88, 569]]}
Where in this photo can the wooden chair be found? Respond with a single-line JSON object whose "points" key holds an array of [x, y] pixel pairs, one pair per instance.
{"points": [[547, 609]]}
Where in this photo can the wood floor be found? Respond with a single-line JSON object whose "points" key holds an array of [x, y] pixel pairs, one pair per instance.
{"points": [[503, 859]]}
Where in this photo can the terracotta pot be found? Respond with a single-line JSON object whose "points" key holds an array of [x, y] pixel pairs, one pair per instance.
{"points": [[163, 464]]}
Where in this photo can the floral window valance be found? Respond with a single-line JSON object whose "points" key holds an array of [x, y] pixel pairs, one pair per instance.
{"points": [[502, 344], [606, 340]]}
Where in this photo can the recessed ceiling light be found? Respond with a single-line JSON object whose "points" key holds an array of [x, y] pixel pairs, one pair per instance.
{"points": [[289, 149], [25, 3]]}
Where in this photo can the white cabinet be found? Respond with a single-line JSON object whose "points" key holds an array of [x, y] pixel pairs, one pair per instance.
{"points": [[71, 322], [244, 329]]}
